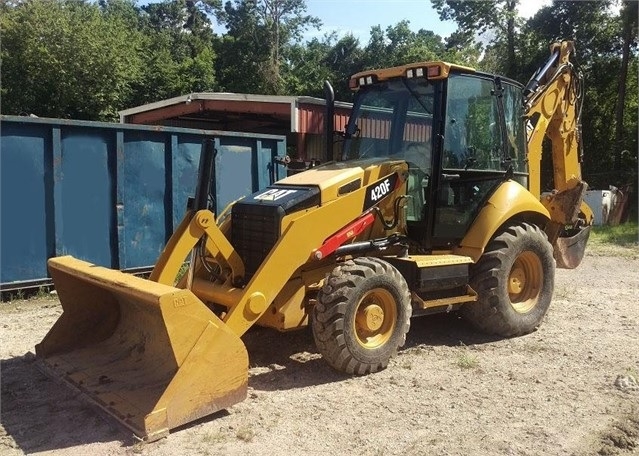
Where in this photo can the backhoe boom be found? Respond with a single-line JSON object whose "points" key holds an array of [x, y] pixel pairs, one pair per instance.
{"points": [[553, 100]]}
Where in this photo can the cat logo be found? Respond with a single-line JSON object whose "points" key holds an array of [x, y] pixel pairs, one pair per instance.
{"points": [[274, 194]]}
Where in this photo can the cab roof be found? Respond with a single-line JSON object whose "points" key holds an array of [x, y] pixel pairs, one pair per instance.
{"points": [[431, 69]]}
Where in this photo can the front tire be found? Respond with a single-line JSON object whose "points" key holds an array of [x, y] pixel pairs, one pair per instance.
{"points": [[514, 280], [362, 316]]}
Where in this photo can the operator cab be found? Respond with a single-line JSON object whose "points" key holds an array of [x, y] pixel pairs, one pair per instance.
{"points": [[461, 132]]}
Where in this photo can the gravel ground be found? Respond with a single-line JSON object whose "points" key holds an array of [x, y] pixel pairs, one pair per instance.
{"points": [[569, 388]]}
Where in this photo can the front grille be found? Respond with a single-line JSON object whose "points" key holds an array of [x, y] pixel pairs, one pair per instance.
{"points": [[255, 230]]}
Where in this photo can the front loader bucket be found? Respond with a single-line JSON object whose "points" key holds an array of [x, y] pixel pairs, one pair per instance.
{"points": [[153, 356]]}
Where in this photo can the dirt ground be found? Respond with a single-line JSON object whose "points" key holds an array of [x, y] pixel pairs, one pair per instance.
{"points": [[569, 388]]}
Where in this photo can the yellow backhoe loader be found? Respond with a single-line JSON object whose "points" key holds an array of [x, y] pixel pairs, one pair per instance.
{"points": [[432, 205]]}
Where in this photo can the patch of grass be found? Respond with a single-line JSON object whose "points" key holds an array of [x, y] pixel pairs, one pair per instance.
{"points": [[245, 433], [212, 438], [625, 235], [30, 294], [633, 372], [138, 447], [42, 293], [467, 360], [10, 296], [562, 292], [620, 241]]}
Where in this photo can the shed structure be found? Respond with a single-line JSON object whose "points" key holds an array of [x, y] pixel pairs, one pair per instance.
{"points": [[299, 118]]}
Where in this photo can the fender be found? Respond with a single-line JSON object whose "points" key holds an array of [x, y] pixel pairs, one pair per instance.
{"points": [[510, 200]]}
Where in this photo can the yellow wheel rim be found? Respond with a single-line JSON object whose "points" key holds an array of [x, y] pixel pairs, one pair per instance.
{"points": [[375, 318], [524, 282]]}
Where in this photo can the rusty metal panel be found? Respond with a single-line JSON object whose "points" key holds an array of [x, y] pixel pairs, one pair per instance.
{"points": [[311, 128], [110, 194]]}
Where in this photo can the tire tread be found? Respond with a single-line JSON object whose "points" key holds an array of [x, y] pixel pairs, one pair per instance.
{"points": [[328, 317]]}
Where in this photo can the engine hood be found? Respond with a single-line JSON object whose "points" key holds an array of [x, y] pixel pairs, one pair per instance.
{"points": [[339, 178]]}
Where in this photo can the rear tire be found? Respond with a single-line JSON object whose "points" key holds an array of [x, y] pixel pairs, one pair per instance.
{"points": [[514, 280], [362, 316]]}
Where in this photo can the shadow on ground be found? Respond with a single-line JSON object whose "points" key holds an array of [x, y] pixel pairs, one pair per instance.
{"points": [[445, 329], [41, 414], [290, 360]]}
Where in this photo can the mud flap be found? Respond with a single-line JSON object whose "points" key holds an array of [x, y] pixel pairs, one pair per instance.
{"points": [[570, 250], [153, 356]]}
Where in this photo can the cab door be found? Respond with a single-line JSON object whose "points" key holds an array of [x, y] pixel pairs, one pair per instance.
{"points": [[475, 156]]}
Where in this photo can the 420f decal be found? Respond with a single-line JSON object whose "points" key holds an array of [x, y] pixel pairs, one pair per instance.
{"points": [[380, 190]]}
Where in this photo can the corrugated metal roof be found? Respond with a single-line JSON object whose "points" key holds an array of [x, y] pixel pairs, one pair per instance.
{"points": [[221, 96], [300, 118], [272, 108]]}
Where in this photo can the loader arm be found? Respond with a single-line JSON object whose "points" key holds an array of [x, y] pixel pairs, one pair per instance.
{"points": [[553, 99], [297, 246], [185, 238]]}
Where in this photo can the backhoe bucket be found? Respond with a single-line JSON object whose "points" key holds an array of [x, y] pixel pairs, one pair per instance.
{"points": [[570, 250], [153, 356]]}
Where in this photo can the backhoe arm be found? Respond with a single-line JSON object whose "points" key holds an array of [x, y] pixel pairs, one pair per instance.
{"points": [[553, 99]]}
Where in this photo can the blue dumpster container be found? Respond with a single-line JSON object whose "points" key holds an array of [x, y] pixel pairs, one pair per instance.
{"points": [[110, 193]]}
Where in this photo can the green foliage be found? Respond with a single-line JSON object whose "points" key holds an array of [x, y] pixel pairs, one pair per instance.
{"points": [[258, 42], [466, 360], [499, 17], [87, 60], [470, 16], [179, 57], [344, 59], [399, 45], [626, 234], [597, 31], [306, 70], [480, 115], [82, 60], [462, 49], [67, 59], [620, 241]]}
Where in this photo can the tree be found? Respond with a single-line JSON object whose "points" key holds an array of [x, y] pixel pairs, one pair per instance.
{"points": [[243, 51], [399, 45], [629, 14], [344, 59], [121, 10], [67, 59], [478, 17], [338, 59], [461, 48], [178, 51], [305, 70], [259, 37]]}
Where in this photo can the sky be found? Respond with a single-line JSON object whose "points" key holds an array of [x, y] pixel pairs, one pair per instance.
{"points": [[358, 16]]}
